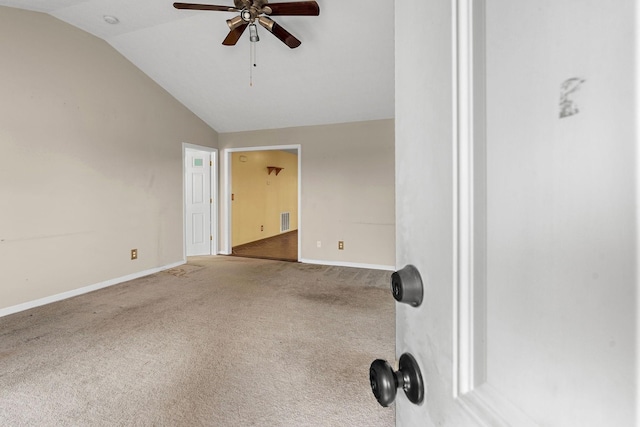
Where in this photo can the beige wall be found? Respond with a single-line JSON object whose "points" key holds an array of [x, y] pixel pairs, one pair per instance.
{"points": [[260, 196], [347, 188], [90, 163]]}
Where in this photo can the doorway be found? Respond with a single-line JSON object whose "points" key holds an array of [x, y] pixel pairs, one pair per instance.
{"points": [[263, 202], [200, 200]]}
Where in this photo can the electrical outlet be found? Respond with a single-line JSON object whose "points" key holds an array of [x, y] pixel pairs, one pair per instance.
{"points": [[340, 245], [134, 254], [319, 244], [262, 228]]}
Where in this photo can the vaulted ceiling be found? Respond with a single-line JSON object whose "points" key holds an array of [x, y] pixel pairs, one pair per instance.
{"points": [[342, 72]]}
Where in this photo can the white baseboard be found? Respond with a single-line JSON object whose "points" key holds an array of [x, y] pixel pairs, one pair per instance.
{"points": [[349, 264], [86, 289]]}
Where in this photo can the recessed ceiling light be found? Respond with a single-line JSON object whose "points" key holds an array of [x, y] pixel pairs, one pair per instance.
{"points": [[110, 19]]}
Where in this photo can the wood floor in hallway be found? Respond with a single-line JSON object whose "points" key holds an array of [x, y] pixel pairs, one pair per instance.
{"points": [[283, 247]]}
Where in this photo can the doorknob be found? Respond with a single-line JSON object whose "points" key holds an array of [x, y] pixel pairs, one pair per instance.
{"points": [[406, 286], [385, 382]]}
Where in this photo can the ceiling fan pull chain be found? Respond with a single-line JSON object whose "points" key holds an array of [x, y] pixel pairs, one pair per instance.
{"points": [[252, 62], [253, 40], [254, 56]]}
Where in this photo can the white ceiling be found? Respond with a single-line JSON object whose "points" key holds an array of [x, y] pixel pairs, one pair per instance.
{"points": [[342, 72]]}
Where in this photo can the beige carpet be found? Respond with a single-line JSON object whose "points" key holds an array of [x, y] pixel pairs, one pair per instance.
{"points": [[220, 341]]}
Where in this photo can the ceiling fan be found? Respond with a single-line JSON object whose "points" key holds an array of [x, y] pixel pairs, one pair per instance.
{"points": [[252, 10]]}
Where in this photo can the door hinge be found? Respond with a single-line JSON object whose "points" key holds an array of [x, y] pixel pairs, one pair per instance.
{"points": [[210, 162], [211, 200], [211, 238]]}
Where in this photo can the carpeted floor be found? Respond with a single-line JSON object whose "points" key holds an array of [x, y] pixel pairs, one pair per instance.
{"points": [[220, 341]]}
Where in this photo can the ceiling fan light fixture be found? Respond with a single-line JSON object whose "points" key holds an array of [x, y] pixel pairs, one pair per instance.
{"points": [[235, 22], [266, 22], [252, 10]]}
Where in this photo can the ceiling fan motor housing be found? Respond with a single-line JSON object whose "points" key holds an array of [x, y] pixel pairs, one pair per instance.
{"points": [[251, 9]]}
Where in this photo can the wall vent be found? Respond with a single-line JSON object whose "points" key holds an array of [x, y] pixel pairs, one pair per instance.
{"points": [[284, 222]]}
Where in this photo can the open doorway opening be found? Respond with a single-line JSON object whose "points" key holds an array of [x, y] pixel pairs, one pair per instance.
{"points": [[264, 190]]}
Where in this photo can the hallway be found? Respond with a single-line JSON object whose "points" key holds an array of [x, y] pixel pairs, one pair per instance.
{"points": [[283, 247]]}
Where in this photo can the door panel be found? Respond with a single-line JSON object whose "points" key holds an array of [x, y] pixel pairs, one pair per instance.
{"points": [[560, 220], [199, 229], [516, 201], [198, 204]]}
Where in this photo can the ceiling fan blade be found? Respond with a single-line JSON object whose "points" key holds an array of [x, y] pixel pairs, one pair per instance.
{"points": [[285, 36], [196, 6], [306, 8], [234, 35]]}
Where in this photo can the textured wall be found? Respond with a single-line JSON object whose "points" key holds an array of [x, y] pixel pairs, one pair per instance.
{"points": [[91, 162]]}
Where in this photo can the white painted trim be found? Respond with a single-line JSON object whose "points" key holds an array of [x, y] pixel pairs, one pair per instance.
{"points": [[471, 389], [470, 198], [299, 201], [490, 409], [226, 155], [215, 227], [455, 24], [226, 193], [349, 264], [463, 199], [86, 289], [198, 147], [262, 148], [636, 92]]}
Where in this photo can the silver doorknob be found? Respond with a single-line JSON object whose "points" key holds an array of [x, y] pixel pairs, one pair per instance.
{"points": [[406, 286], [385, 382]]}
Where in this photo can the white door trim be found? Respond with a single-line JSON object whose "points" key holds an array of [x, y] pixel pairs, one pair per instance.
{"points": [[213, 154], [226, 218], [467, 175]]}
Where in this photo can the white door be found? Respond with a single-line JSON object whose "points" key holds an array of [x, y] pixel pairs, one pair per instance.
{"points": [[516, 200], [198, 202]]}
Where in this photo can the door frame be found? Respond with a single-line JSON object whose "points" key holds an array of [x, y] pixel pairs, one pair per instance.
{"points": [[213, 195], [226, 248]]}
